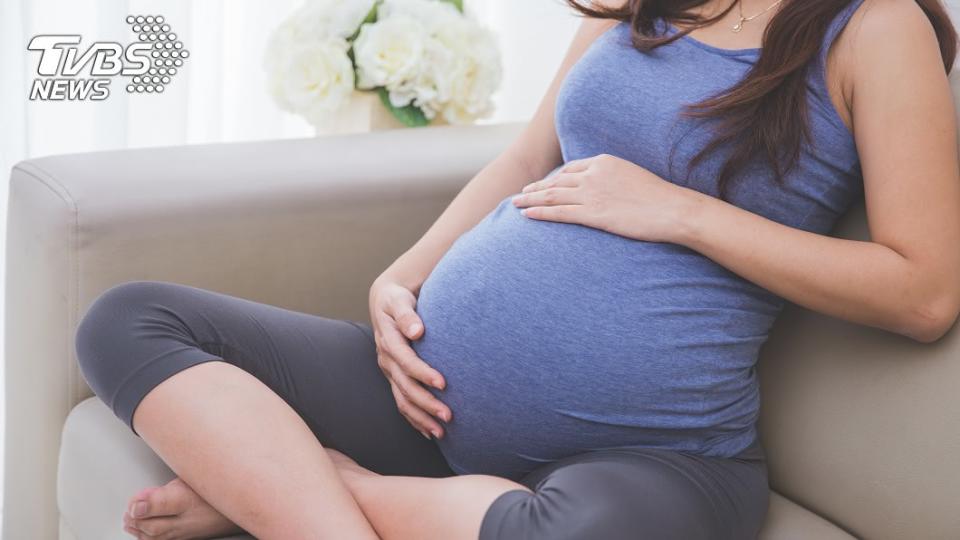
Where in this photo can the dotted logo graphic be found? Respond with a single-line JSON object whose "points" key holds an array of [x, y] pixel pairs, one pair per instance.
{"points": [[167, 54], [68, 69]]}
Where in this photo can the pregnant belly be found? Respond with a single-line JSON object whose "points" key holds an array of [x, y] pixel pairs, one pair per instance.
{"points": [[557, 338]]}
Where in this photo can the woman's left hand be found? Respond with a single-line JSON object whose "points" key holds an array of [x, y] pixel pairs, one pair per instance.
{"points": [[612, 194]]}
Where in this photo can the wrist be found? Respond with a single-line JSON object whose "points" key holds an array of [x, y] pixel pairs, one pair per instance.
{"points": [[689, 217], [404, 279]]}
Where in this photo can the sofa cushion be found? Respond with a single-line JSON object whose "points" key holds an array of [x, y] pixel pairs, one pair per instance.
{"points": [[787, 520]]}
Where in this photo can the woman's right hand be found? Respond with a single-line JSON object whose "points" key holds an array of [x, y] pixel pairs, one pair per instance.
{"points": [[394, 321]]}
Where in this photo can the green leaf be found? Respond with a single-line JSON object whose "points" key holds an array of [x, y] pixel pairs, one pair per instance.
{"points": [[410, 115], [370, 18], [457, 3]]}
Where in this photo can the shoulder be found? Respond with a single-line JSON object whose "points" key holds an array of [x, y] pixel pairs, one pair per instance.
{"points": [[880, 27], [886, 39], [902, 17]]}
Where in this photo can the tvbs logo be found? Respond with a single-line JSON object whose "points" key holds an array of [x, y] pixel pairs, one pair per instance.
{"points": [[147, 65]]}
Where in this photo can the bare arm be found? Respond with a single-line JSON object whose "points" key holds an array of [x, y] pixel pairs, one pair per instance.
{"points": [[907, 278], [530, 157]]}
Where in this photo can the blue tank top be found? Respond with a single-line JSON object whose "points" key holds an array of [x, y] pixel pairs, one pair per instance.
{"points": [[557, 338]]}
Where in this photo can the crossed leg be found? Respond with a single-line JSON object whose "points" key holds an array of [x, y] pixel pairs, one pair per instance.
{"points": [[613, 494], [283, 484]]}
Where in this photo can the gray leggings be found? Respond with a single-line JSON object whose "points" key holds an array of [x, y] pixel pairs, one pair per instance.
{"points": [[138, 333]]}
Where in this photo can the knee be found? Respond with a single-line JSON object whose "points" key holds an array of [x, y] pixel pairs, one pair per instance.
{"points": [[594, 500], [103, 333], [571, 503]]}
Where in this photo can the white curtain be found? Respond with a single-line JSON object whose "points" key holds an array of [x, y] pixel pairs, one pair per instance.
{"points": [[219, 94]]}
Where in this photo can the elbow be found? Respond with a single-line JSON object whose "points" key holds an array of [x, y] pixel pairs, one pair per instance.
{"points": [[931, 321]]}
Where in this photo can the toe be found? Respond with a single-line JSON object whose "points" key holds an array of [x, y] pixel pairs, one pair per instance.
{"points": [[127, 524], [157, 527], [166, 500], [137, 503]]}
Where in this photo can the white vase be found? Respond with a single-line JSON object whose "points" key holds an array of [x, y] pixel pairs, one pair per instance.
{"points": [[365, 112]]}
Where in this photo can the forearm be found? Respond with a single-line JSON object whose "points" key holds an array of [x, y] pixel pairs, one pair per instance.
{"points": [[504, 175], [859, 281]]}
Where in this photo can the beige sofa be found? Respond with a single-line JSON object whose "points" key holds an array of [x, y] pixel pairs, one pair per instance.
{"points": [[862, 427]]}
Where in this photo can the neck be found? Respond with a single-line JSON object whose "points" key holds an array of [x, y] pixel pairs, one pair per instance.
{"points": [[713, 8], [720, 34]]}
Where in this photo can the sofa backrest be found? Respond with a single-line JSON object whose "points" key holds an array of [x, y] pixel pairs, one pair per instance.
{"points": [[861, 425]]}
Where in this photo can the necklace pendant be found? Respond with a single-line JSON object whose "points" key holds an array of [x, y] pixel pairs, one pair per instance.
{"points": [[739, 26]]}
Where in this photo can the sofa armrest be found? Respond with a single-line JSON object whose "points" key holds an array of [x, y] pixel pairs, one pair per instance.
{"points": [[305, 224]]}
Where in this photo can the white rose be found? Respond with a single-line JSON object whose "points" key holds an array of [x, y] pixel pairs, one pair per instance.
{"points": [[461, 66], [313, 78], [389, 52], [476, 73], [319, 20], [344, 16], [309, 72], [424, 52], [431, 87], [447, 34], [433, 14]]}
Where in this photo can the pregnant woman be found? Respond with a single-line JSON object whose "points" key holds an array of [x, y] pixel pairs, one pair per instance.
{"points": [[569, 351]]}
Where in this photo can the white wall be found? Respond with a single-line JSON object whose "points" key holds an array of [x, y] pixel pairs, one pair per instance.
{"points": [[219, 95]]}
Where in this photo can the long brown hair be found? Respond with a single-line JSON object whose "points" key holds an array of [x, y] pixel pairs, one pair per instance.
{"points": [[765, 114]]}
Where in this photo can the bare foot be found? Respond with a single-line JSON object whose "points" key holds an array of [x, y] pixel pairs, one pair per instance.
{"points": [[174, 511]]}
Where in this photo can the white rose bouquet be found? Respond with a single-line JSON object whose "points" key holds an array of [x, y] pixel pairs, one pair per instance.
{"points": [[425, 59]]}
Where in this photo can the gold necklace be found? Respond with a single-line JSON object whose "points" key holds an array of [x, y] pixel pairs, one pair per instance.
{"points": [[739, 26]]}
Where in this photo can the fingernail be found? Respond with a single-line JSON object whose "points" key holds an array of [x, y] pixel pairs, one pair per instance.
{"points": [[425, 436], [438, 383], [140, 509], [414, 328], [443, 415], [435, 433]]}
